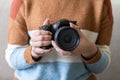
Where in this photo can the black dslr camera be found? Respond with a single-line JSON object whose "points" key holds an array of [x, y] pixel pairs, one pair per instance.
{"points": [[64, 36]]}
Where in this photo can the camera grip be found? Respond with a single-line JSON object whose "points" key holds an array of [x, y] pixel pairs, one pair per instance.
{"points": [[47, 47], [46, 28], [66, 38]]}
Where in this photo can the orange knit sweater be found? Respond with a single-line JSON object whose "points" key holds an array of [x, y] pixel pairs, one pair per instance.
{"points": [[94, 17]]}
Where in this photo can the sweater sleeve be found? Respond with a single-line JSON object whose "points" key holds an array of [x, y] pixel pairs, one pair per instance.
{"points": [[18, 52], [102, 58]]}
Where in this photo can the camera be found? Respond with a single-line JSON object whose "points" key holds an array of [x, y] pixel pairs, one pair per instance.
{"points": [[64, 36]]}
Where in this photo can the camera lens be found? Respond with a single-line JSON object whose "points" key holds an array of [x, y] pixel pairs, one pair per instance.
{"points": [[67, 38]]}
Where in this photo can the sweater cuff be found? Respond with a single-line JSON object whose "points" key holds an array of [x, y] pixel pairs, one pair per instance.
{"points": [[93, 59], [28, 57]]}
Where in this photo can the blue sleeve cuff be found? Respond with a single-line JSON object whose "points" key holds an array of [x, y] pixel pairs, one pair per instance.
{"points": [[100, 65], [17, 59]]}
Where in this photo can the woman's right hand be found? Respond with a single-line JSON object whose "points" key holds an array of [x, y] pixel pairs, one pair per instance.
{"points": [[41, 38]]}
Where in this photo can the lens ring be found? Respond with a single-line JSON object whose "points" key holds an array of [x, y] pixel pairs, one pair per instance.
{"points": [[67, 38]]}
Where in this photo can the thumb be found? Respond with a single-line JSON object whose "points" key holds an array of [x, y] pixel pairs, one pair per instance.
{"points": [[74, 26], [55, 46], [46, 22]]}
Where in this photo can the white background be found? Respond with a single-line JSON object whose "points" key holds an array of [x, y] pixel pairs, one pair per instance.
{"points": [[112, 73]]}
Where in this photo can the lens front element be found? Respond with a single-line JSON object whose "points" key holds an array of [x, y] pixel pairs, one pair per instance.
{"points": [[67, 38]]}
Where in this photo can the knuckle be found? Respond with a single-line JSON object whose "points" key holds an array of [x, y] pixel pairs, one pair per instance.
{"points": [[49, 43], [41, 44], [41, 37], [50, 37], [49, 32], [38, 50]]}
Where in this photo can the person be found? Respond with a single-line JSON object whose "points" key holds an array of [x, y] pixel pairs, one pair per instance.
{"points": [[30, 62]]}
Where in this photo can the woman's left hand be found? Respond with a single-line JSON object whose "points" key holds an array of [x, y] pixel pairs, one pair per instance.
{"points": [[85, 48]]}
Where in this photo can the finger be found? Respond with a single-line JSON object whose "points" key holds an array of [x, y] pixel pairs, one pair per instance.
{"points": [[46, 22], [36, 33], [62, 52], [74, 26], [39, 43], [77, 28], [41, 38], [43, 32], [55, 45]]}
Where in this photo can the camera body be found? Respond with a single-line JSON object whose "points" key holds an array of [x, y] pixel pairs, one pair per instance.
{"points": [[64, 36]]}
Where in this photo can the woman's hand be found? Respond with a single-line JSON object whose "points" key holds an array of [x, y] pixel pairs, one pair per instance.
{"points": [[85, 48], [41, 38]]}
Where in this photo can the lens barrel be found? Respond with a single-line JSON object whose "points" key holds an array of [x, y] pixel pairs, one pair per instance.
{"points": [[67, 38]]}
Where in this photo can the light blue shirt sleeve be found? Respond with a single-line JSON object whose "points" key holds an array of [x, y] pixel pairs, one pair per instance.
{"points": [[100, 65], [17, 59]]}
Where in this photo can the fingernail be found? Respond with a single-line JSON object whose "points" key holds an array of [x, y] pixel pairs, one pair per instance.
{"points": [[53, 43], [71, 24]]}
